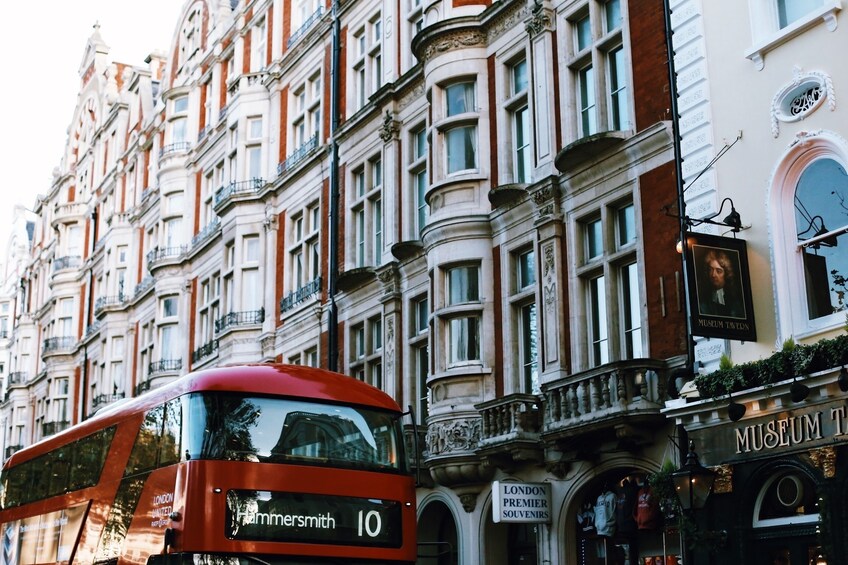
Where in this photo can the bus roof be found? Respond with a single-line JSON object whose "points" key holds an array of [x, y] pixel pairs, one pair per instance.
{"points": [[264, 379]]}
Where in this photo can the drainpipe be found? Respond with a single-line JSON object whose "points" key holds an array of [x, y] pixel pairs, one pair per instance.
{"points": [[681, 200], [332, 239], [681, 210]]}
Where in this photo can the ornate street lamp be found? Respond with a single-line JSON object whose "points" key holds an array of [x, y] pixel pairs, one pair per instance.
{"points": [[693, 482]]}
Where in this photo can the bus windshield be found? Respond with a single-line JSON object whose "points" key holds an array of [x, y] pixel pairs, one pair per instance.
{"points": [[275, 430]]}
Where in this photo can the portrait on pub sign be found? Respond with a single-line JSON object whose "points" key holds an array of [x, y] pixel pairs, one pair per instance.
{"points": [[719, 287]]}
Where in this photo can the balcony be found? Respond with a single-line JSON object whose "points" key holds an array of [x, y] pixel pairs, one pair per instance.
{"points": [[305, 292], [68, 212], [58, 345], [17, 378], [301, 31], [12, 449], [615, 403], [141, 387], [141, 288], [164, 366], [93, 329], [235, 319], [66, 263], [205, 235], [299, 155], [510, 430], [204, 351], [104, 303], [174, 148], [161, 256], [102, 400], [238, 189], [52, 428]]}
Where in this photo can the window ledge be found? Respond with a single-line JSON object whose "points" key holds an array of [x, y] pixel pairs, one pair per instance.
{"points": [[826, 13]]}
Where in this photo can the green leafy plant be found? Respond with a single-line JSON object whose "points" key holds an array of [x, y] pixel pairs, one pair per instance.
{"points": [[793, 360]]}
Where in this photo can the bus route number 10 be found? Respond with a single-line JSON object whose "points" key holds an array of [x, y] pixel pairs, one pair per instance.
{"points": [[371, 522]]}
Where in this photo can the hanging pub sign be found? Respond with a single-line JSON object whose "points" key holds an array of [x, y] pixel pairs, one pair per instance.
{"points": [[719, 287]]}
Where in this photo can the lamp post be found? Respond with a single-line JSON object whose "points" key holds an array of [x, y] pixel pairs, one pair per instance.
{"points": [[693, 483]]}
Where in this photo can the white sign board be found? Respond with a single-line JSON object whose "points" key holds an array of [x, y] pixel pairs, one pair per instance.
{"points": [[521, 502]]}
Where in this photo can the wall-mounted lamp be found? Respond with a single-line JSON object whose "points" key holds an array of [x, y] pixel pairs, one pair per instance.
{"points": [[733, 220], [735, 411], [842, 380], [798, 391]]}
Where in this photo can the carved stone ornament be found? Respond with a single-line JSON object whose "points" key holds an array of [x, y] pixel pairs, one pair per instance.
{"points": [[453, 436], [452, 41], [507, 22], [545, 200], [825, 459], [468, 501], [540, 20], [389, 128], [724, 479], [390, 279]]}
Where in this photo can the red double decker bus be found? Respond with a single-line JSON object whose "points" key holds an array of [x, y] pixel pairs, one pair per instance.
{"points": [[259, 464]]}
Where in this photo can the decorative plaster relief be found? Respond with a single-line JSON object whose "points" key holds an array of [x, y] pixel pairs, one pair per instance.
{"points": [[801, 97]]}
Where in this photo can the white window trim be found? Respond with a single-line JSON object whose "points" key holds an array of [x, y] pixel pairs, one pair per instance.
{"points": [[767, 35]]}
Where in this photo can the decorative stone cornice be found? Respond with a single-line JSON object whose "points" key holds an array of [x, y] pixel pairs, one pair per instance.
{"points": [[460, 39]]}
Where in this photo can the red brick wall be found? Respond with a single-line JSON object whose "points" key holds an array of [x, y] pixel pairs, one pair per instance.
{"points": [[658, 188], [650, 63]]}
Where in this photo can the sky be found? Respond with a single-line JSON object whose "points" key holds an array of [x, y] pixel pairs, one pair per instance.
{"points": [[44, 43]]}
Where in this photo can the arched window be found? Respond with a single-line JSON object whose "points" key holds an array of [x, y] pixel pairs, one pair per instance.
{"points": [[787, 497], [810, 222]]}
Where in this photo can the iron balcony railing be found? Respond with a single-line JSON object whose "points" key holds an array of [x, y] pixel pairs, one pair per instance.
{"points": [[61, 343], [141, 387], [104, 399], [310, 21], [67, 262], [204, 351], [93, 328], [164, 366], [233, 319], [238, 188], [295, 297], [299, 155], [178, 147], [104, 302], [164, 253], [142, 287], [50, 428], [17, 378], [206, 233]]}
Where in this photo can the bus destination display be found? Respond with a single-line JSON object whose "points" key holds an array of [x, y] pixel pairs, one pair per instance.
{"points": [[297, 517]]}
